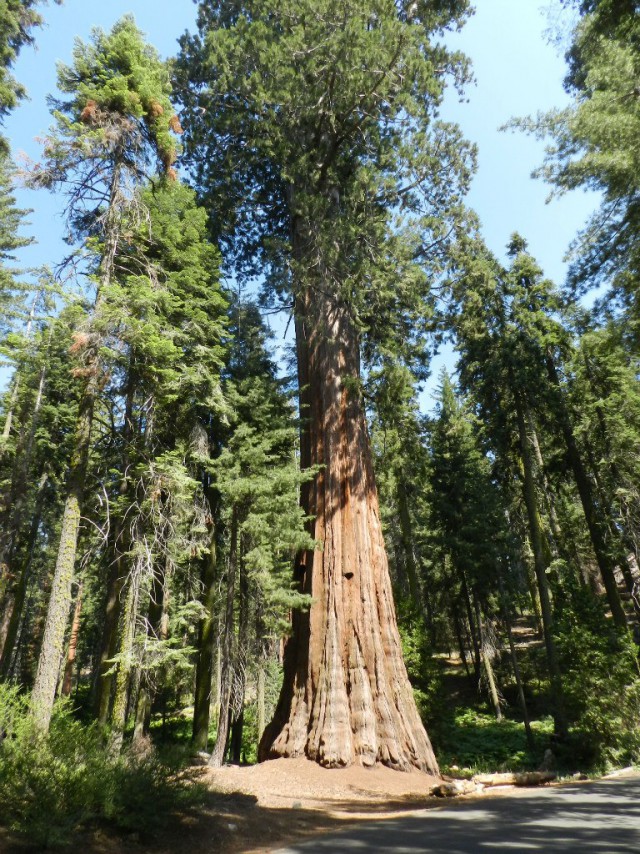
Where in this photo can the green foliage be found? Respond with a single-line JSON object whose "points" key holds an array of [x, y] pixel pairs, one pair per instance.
{"points": [[52, 785], [18, 19], [602, 684], [423, 668], [317, 122], [593, 145], [115, 123], [118, 73], [476, 742], [13, 293]]}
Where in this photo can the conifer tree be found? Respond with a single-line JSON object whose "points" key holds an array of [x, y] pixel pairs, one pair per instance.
{"points": [[592, 144], [313, 136], [167, 316], [18, 18], [116, 119], [257, 479]]}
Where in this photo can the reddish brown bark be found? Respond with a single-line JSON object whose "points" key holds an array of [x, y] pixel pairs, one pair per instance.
{"points": [[73, 645], [346, 697]]}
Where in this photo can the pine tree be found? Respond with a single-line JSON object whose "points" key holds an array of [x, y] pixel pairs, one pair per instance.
{"points": [[117, 117], [168, 314], [593, 145], [18, 18]]}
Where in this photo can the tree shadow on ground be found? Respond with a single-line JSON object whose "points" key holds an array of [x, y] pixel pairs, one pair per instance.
{"points": [[591, 818], [595, 818]]}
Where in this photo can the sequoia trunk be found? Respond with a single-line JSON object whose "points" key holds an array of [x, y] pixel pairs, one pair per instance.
{"points": [[346, 697]]}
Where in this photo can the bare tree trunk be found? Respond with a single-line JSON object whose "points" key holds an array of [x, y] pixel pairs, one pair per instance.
{"points": [[204, 668], [124, 667], [461, 646], [406, 540], [596, 522], [158, 625], [486, 654], [13, 606], [52, 649], [260, 698], [220, 747], [73, 644], [473, 634], [105, 681], [540, 566], [506, 616], [346, 696]]}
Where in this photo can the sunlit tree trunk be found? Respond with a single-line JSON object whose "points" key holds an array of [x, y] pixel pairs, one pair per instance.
{"points": [[73, 644], [206, 651], [346, 697], [595, 517]]}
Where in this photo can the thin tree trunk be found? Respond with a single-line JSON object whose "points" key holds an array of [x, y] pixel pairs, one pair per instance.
{"points": [[346, 696], [540, 566], [461, 646], [594, 517], [220, 747], [12, 607], [73, 644], [516, 667], [52, 649], [124, 667], [260, 698], [158, 625], [473, 634], [485, 652], [14, 512], [117, 570], [206, 642], [240, 662], [406, 539]]}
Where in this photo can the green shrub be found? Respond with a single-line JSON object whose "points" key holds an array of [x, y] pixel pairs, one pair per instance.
{"points": [[52, 785], [477, 741]]}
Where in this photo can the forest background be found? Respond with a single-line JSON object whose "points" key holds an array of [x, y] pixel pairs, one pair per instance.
{"points": [[152, 460]]}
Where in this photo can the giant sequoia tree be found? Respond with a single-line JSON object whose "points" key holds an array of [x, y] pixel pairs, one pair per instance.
{"points": [[314, 137]]}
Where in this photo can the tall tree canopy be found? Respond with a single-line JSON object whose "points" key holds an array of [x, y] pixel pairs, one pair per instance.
{"points": [[594, 145]]}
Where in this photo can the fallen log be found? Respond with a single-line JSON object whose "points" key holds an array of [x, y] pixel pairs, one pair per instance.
{"points": [[524, 778]]}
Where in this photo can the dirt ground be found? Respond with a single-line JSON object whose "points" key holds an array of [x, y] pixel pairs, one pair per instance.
{"points": [[256, 809], [294, 798]]}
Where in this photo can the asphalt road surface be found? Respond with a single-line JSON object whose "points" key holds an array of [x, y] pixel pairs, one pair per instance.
{"points": [[584, 818]]}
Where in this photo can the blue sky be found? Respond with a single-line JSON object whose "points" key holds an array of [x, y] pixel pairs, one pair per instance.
{"points": [[517, 73]]}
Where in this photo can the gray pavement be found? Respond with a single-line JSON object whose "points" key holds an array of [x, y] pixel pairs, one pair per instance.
{"points": [[584, 818]]}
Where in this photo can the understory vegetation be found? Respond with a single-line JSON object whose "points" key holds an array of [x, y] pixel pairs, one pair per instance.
{"points": [[178, 499]]}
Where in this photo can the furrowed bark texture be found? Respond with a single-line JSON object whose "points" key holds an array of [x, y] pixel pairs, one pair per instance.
{"points": [[52, 650], [346, 697]]}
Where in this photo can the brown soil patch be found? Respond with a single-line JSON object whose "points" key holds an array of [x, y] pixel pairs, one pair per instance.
{"points": [[257, 809], [287, 783]]}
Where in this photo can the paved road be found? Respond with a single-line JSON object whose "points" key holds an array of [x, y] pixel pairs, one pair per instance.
{"points": [[602, 817]]}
